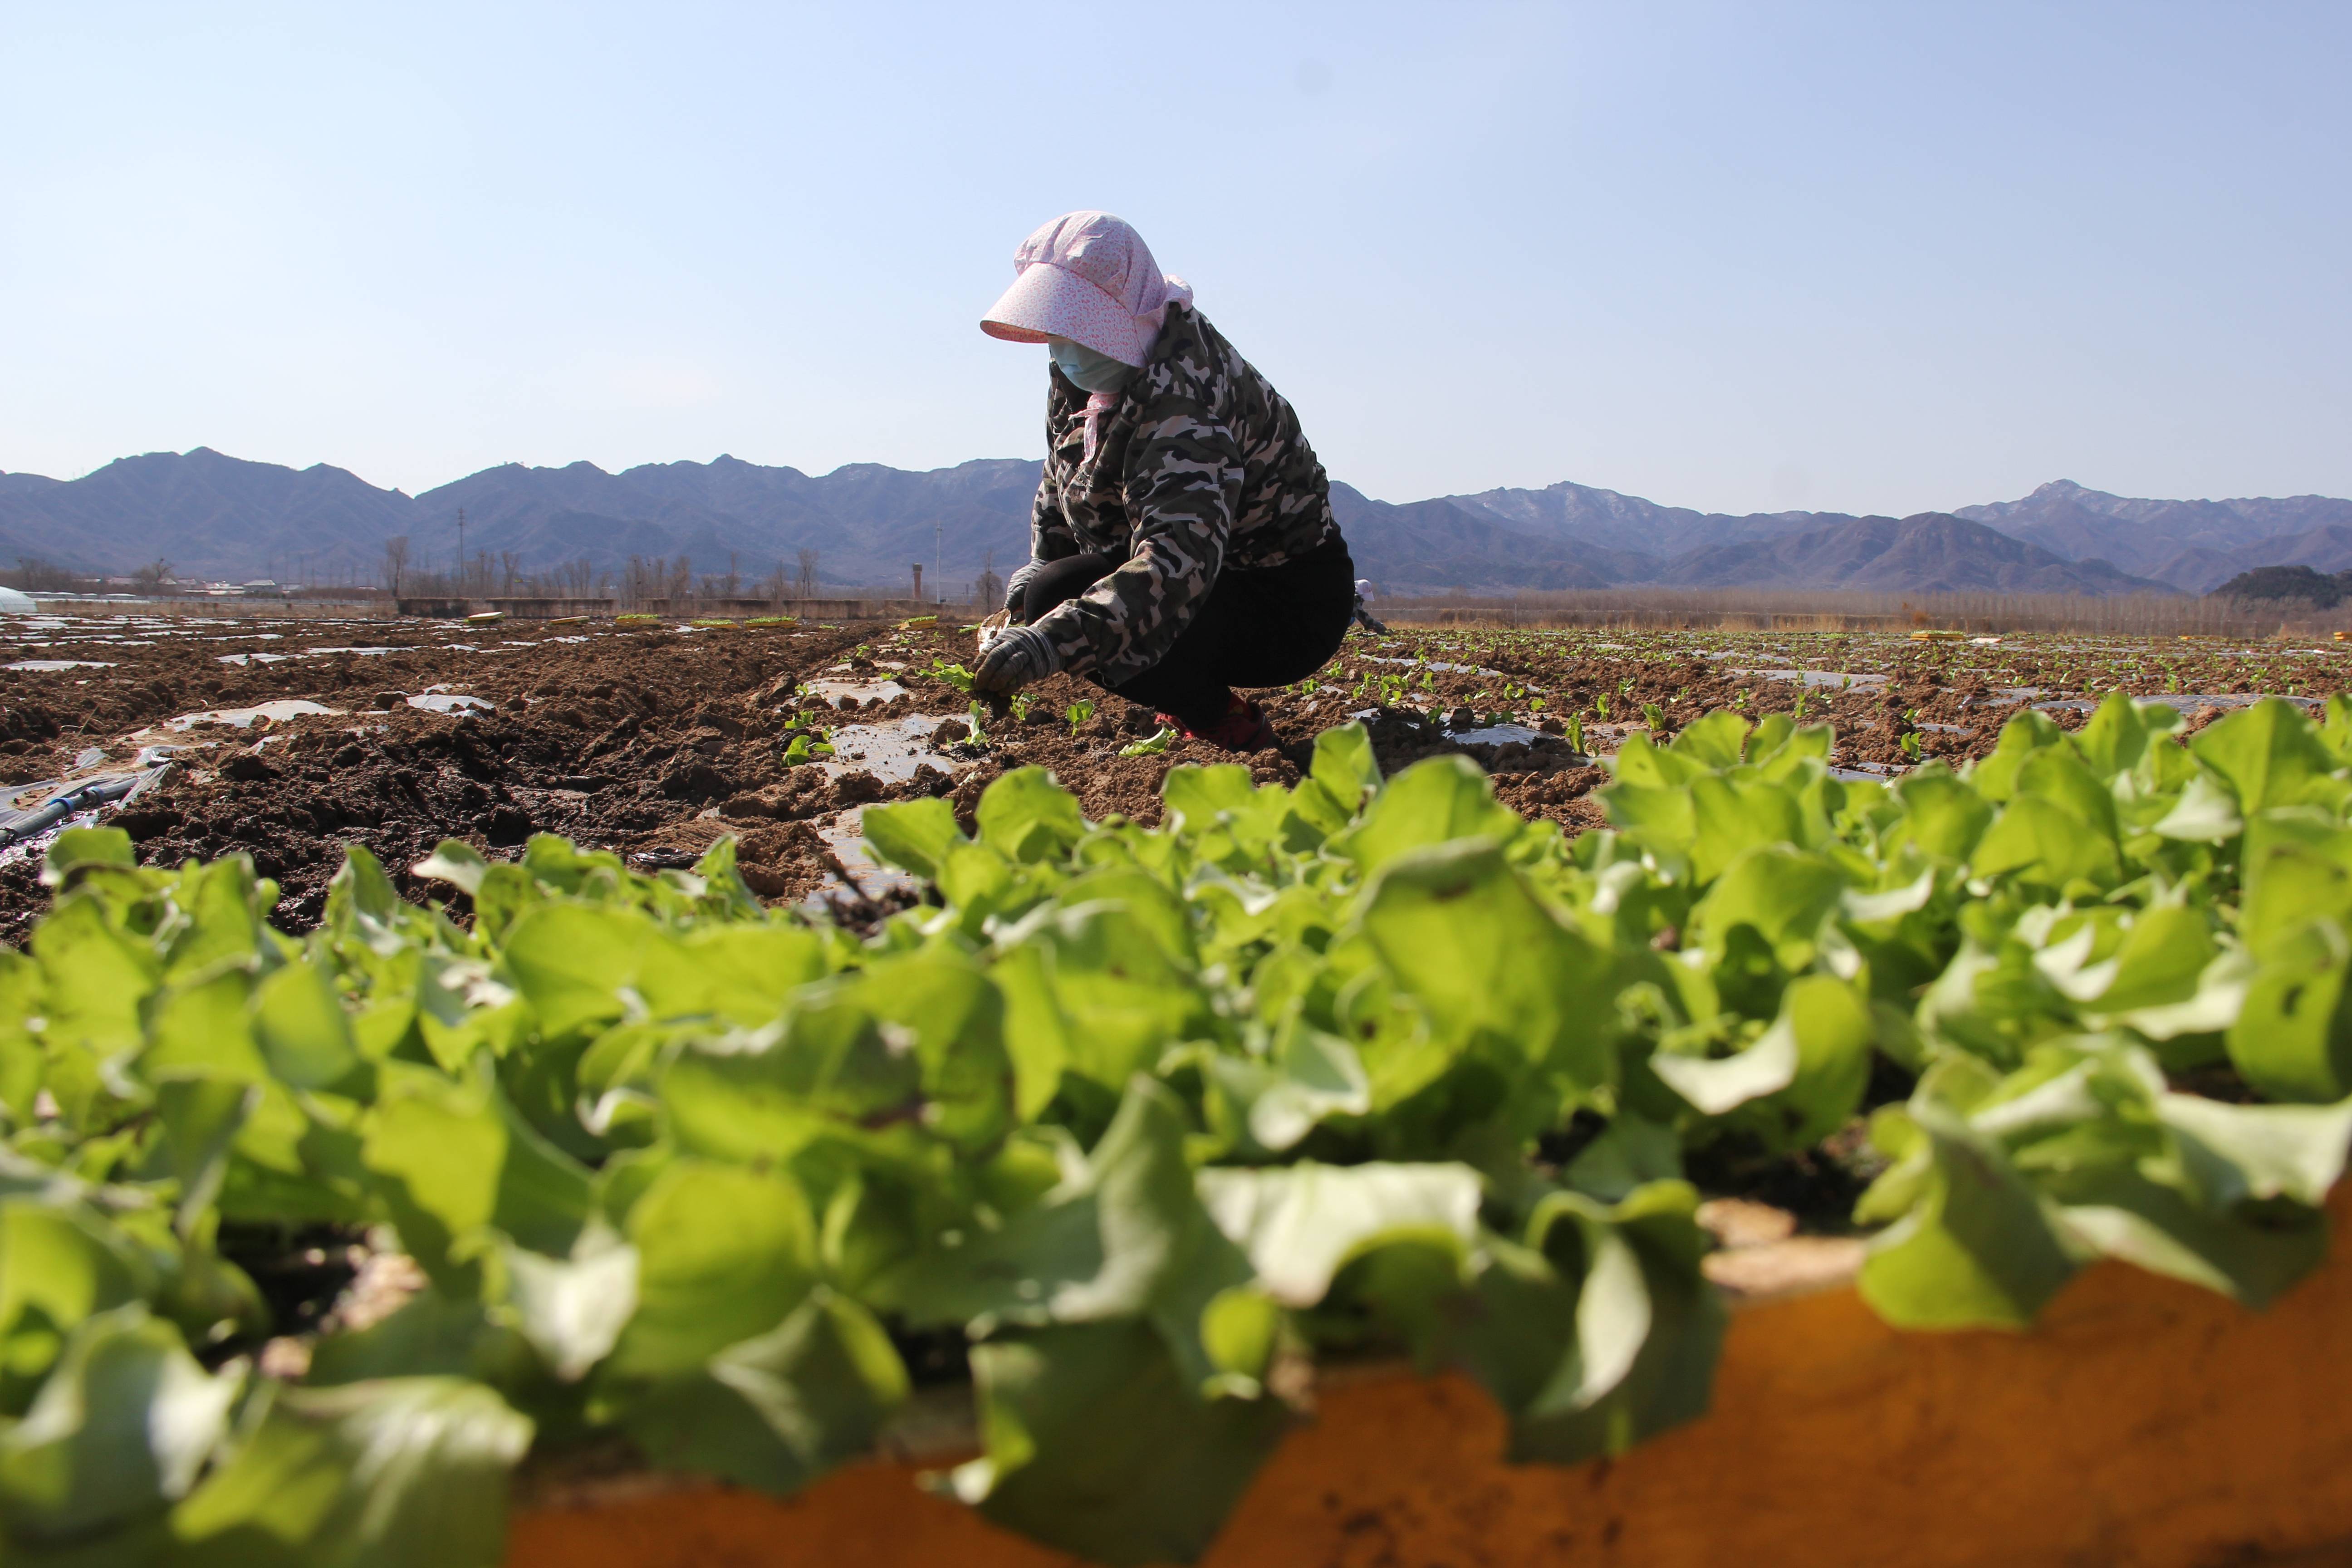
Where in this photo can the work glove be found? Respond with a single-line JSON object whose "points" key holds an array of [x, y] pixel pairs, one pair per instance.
{"points": [[1016, 588], [1018, 656]]}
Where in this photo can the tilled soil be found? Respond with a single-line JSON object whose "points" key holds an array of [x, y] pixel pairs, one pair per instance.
{"points": [[655, 741], [651, 742]]}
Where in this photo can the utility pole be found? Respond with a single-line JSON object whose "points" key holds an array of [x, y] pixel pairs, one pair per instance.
{"points": [[461, 549], [938, 531]]}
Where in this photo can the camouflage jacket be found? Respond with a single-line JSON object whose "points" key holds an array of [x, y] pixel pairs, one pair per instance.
{"points": [[1200, 467]]}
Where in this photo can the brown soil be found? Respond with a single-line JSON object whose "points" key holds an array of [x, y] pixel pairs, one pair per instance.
{"points": [[655, 743], [651, 744]]}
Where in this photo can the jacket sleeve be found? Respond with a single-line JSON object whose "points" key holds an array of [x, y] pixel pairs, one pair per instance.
{"points": [[1183, 484]]}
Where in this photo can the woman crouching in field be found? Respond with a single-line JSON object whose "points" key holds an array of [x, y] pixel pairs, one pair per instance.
{"points": [[1182, 542]]}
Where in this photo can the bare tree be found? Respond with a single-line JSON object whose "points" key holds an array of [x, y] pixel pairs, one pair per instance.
{"points": [[729, 587], [510, 572], [395, 562], [808, 575], [153, 575], [35, 574], [990, 589], [648, 577]]}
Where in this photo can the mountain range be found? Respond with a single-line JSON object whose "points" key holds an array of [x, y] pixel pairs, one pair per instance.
{"points": [[220, 517]]}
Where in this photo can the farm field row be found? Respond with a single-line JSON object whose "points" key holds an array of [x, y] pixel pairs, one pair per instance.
{"points": [[655, 741], [1110, 1112], [1120, 1130]]}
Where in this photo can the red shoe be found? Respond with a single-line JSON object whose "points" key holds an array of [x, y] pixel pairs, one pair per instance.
{"points": [[1243, 729]]}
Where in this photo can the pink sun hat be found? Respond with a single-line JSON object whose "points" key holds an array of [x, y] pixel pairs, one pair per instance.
{"points": [[1089, 278]]}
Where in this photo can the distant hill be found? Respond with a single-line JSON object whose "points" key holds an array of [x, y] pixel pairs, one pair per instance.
{"points": [[1444, 545], [1581, 515], [2192, 544], [221, 517], [218, 517], [2198, 568], [2327, 548], [2110, 543], [2299, 583], [869, 524], [1933, 553], [208, 513]]}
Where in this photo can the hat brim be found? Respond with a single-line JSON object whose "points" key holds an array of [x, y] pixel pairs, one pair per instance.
{"points": [[1048, 301]]}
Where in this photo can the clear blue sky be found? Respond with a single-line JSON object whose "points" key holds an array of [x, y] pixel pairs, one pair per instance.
{"points": [[1872, 256]]}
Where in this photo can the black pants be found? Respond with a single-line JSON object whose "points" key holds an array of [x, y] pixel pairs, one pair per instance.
{"points": [[1266, 627]]}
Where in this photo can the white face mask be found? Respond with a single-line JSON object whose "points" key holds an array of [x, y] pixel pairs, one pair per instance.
{"points": [[1089, 371]]}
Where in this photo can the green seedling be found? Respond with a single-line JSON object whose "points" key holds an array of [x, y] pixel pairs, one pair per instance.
{"points": [[1079, 713], [1151, 745]]}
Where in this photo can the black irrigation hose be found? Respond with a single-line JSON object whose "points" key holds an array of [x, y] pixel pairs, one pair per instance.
{"points": [[80, 798]]}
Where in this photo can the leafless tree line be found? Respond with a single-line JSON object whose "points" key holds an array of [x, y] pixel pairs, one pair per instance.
{"points": [[36, 575], [643, 579], [489, 576], [1732, 609]]}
